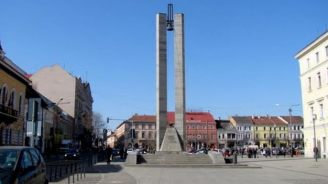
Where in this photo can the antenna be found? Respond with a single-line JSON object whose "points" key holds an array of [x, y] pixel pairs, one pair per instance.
{"points": [[169, 18]]}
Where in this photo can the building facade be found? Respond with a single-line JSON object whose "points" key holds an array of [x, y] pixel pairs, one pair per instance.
{"points": [[245, 135], [227, 134], [13, 85], [270, 131], [140, 131], [313, 65], [72, 95], [200, 129], [295, 134]]}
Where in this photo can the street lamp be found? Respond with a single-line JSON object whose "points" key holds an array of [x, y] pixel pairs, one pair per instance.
{"points": [[275, 139], [315, 149]]}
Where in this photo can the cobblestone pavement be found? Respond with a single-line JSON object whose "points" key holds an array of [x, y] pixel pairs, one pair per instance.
{"points": [[273, 171]]}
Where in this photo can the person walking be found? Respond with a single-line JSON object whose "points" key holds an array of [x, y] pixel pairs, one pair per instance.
{"points": [[109, 154]]}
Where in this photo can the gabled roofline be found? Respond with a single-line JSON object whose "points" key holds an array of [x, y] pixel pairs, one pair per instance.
{"points": [[13, 68], [321, 38]]}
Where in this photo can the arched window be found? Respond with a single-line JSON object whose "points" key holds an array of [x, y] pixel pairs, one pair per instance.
{"points": [[0, 94], [12, 99], [4, 95], [20, 103]]}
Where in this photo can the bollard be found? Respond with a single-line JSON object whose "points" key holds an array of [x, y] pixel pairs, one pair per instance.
{"points": [[81, 171], [72, 172], [84, 169], [77, 171], [50, 177]]}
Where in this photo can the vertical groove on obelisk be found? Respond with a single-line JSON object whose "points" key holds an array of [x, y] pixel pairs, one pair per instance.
{"points": [[161, 79], [179, 60]]}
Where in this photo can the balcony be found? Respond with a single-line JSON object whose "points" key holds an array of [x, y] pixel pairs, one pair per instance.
{"points": [[8, 114]]}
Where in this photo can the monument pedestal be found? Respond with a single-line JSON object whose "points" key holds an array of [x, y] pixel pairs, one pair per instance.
{"points": [[171, 141]]}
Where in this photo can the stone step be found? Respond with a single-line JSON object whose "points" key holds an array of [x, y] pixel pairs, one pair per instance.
{"points": [[176, 159]]}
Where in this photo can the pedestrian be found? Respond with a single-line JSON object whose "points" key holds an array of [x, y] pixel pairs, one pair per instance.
{"points": [[283, 151], [292, 152], [121, 153], [109, 151]]}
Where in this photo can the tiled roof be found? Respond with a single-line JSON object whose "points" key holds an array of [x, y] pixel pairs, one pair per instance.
{"points": [[227, 126], [293, 119], [268, 120], [192, 117], [143, 118], [242, 119]]}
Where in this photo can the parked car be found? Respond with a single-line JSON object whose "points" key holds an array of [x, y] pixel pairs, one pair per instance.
{"points": [[116, 152], [72, 154], [19, 164]]}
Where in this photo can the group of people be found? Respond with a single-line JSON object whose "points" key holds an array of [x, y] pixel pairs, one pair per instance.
{"points": [[109, 153], [252, 152]]}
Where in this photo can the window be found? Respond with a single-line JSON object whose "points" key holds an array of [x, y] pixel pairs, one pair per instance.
{"points": [[0, 94], [35, 157], [324, 144], [20, 104], [327, 51], [26, 161], [264, 136], [143, 135], [309, 84], [317, 57], [319, 80], [263, 128], [4, 95], [11, 99], [321, 111], [312, 111], [308, 62]]}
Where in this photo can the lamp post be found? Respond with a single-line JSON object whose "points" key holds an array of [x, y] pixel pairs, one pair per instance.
{"points": [[315, 149], [275, 139]]}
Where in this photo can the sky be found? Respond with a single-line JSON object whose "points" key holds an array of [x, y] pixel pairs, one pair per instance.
{"points": [[239, 54]]}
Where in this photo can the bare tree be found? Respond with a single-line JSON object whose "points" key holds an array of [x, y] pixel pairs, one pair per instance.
{"points": [[98, 123]]}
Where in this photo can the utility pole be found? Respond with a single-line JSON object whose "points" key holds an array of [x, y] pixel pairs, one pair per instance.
{"points": [[315, 149]]}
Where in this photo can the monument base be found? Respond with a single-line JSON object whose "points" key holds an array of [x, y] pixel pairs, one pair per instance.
{"points": [[171, 141]]}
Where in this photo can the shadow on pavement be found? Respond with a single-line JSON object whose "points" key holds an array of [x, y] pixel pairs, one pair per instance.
{"points": [[105, 168]]}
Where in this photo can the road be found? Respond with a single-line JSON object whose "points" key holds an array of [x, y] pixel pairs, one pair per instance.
{"points": [[273, 171]]}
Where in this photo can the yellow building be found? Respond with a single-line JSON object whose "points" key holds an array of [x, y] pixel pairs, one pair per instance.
{"points": [[13, 85], [270, 131]]}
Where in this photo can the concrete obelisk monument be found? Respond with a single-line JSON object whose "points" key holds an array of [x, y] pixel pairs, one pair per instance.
{"points": [[170, 138]]}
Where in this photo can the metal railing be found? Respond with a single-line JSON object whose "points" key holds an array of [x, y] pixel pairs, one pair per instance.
{"points": [[8, 111], [72, 170]]}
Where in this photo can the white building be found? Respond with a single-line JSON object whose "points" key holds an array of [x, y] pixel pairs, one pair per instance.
{"points": [[313, 62]]}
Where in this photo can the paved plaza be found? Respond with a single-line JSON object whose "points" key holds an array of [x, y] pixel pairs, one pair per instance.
{"points": [[270, 171]]}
